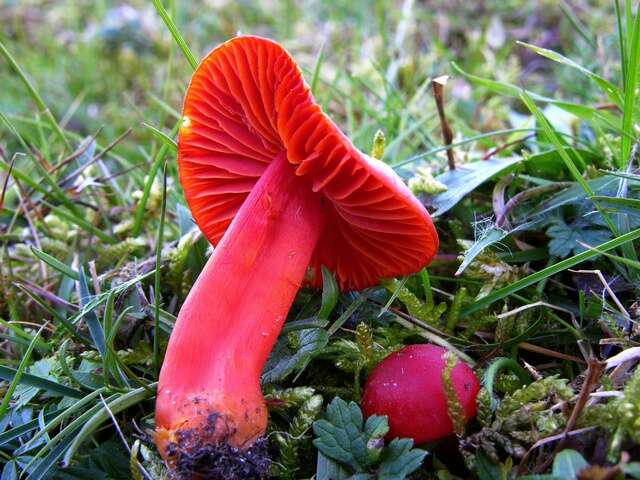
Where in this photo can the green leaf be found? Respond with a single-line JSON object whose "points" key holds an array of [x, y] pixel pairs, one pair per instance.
{"points": [[491, 236], [632, 469], [568, 464], [17, 432], [343, 437], [8, 373], [486, 469], [108, 409], [630, 89], [284, 359], [613, 92], [547, 272], [328, 469], [10, 471], [503, 88], [400, 459], [55, 263], [90, 317], [566, 238], [465, 179], [330, 294], [162, 137]]}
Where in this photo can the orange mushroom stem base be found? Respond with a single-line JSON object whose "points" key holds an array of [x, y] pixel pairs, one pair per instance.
{"points": [[209, 403]]}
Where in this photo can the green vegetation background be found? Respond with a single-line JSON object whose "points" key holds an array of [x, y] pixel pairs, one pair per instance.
{"points": [[537, 268]]}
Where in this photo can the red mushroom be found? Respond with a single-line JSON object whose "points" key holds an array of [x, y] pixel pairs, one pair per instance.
{"points": [[408, 388], [280, 191]]}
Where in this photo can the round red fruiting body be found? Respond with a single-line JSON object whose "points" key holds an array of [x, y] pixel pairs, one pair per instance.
{"points": [[408, 388]]}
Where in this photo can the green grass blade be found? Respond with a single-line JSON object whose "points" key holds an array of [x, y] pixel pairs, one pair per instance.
{"points": [[630, 92], [116, 406], [316, 70], [577, 24], [44, 466], [355, 305], [18, 374], [33, 93], [90, 317], [622, 46], [627, 261], [547, 272], [61, 417], [17, 432], [146, 191], [57, 317], [162, 137], [429, 153], [8, 374], [564, 155], [156, 291], [582, 111], [625, 202], [55, 263], [330, 294], [612, 91], [175, 33]]}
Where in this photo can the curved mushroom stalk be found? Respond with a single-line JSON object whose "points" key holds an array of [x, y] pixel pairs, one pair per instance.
{"points": [[209, 388]]}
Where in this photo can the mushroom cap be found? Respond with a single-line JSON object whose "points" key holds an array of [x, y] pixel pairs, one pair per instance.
{"points": [[247, 103]]}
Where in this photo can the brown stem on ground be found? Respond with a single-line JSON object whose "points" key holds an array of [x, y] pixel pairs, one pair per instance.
{"points": [[438, 85], [499, 149], [501, 215], [497, 197], [594, 370], [5, 184]]}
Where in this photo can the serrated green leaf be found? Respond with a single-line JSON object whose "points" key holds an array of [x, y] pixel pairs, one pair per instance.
{"points": [[376, 427], [566, 238], [400, 459], [343, 437], [328, 469]]}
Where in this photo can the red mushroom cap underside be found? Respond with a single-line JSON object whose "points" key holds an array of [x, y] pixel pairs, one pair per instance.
{"points": [[248, 103]]}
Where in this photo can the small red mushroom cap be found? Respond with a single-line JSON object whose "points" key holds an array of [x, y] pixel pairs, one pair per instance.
{"points": [[407, 387]]}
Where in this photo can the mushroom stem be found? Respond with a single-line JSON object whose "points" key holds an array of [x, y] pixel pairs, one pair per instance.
{"points": [[209, 388]]}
